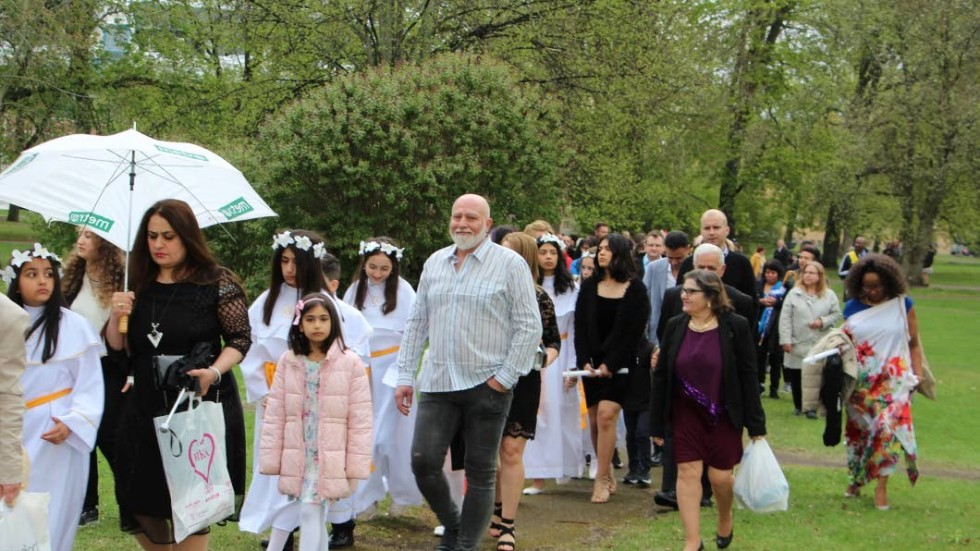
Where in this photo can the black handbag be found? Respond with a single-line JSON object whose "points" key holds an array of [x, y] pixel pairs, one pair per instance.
{"points": [[170, 371]]}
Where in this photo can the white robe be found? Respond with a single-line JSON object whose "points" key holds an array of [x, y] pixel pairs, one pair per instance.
{"points": [[393, 432], [62, 470], [264, 506], [557, 449]]}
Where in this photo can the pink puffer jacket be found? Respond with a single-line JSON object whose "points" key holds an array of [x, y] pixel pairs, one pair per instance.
{"points": [[343, 428]]}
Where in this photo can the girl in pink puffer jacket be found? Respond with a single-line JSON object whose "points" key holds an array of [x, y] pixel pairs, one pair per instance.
{"points": [[316, 432]]}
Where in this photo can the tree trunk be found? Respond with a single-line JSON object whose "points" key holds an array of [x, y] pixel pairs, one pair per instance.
{"points": [[831, 239]]}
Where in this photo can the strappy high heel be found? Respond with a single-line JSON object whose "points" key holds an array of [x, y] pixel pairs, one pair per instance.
{"points": [[495, 526], [508, 539]]}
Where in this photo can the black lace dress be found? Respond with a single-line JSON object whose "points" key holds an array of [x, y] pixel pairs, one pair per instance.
{"points": [[523, 417], [185, 313]]}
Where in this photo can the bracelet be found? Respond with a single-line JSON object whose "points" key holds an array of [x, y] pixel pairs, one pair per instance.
{"points": [[217, 373]]}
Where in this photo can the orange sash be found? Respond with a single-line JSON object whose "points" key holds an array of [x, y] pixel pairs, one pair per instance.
{"points": [[41, 400]]}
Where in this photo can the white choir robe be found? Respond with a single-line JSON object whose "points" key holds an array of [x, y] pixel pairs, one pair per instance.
{"points": [[393, 432], [62, 470], [264, 505], [557, 449]]}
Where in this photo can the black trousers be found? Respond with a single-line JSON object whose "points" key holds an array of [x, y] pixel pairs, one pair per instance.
{"points": [[794, 378], [113, 377]]}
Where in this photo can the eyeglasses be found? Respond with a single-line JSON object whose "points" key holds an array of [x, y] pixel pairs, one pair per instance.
{"points": [[689, 292]]}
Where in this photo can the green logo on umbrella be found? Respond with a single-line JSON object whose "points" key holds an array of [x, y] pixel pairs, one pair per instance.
{"points": [[91, 220], [236, 208], [181, 153], [24, 161]]}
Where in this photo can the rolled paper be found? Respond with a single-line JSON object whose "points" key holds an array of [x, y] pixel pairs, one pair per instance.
{"points": [[584, 373], [810, 360]]}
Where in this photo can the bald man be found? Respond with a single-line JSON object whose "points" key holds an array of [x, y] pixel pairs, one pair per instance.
{"points": [[476, 307], [13, 324], [738, 268]]}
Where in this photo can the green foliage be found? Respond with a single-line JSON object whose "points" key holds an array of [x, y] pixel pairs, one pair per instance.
{"points": [[387, 152]]}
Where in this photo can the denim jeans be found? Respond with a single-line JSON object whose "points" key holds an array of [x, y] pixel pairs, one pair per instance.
{"points": [[638, 441], [480, 413]]}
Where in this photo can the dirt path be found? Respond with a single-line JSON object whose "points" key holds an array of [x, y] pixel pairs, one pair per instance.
{"points": [[562, 518]]}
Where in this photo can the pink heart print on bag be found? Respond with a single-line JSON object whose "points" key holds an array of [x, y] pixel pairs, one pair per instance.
{"points": [[201, 452]]}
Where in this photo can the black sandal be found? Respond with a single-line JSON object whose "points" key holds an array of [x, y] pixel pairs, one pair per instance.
{"points": [[498, 511], [507, 529]]}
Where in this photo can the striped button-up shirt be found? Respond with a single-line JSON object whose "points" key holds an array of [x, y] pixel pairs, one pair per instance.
{"points": [[481, 321]]}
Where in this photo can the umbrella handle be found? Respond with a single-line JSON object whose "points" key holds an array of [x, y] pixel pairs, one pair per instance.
{"points": [[124, 324]]}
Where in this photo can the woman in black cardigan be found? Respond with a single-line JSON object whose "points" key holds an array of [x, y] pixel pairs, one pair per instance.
{"points": [[610, 319], [705, 387]]}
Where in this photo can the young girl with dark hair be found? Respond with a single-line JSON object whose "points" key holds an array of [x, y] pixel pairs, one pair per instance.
{"points": [[62, 390], [557, 450], [316, 430], [385, 300], [295, 272]]}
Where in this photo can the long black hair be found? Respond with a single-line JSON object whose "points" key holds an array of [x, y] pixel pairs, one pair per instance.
{"points": [[309, 275], [622, 267], [50, 319], [298, 343], [563, 278], [391, 284]]}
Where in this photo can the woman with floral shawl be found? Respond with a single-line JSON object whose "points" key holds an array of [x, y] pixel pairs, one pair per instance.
{"points": [[881, 323]]}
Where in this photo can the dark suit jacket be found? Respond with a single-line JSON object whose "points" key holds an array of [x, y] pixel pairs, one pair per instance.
{"points": [[618, 350], [738, 274], [744, 305], [740, 385]]}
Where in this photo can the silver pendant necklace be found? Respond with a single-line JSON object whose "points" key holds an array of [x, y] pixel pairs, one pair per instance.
{"points": [[155, 335]]}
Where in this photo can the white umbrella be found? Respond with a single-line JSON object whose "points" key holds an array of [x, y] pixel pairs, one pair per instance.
{"points": [[102, 182]]}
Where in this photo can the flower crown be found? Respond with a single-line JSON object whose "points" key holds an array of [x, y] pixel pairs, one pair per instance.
{"points": [[18, 259], [368, 247], [553, 239], [302, 242]]}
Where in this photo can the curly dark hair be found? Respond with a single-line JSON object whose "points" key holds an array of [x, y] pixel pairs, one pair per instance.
{"points": [[892, 276], [109, 271], [775, 266]]}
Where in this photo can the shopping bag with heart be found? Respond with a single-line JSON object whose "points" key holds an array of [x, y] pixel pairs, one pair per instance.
{"points": [[192, 445]]}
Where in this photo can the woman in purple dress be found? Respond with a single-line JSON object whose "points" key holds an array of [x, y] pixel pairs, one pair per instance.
{"points": [[706, 390]]}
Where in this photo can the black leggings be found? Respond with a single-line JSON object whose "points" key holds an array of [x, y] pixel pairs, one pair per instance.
{"points": [[793, 377]]}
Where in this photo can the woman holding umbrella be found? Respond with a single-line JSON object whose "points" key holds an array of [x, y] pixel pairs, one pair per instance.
{"points": [[180, 297]]}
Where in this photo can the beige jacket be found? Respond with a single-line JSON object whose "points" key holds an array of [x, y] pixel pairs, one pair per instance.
{"points": [[812, 377], [14, 322]]}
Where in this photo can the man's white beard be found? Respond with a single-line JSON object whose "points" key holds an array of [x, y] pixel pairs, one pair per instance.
{"points": [[469, 241]]}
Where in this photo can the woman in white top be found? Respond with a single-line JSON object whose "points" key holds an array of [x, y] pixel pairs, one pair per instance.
{"points": [[557, 450], [386, 300], [93, 272], [810, 311]]}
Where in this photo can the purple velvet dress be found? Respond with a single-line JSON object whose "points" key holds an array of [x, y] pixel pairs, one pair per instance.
{"points": [[702, 429]]}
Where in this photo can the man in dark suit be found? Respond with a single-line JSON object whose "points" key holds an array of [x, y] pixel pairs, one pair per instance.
{"points": [[782, 254], [738, 268], [706, 257]]}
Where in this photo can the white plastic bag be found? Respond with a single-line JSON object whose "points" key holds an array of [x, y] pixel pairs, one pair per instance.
{"points": [[25, 526], [759, 483], [194, 460]]}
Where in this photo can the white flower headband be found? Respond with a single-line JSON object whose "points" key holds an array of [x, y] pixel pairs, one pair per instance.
{"points": [[302, 242], [553, 239], [18, 259], [368, 247]]}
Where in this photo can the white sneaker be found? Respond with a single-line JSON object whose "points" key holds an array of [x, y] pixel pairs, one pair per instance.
{"points": [[533, 491], [593, 469], [438, 531]]}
